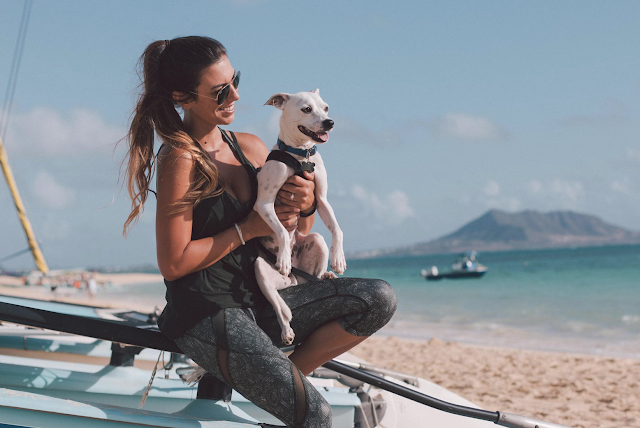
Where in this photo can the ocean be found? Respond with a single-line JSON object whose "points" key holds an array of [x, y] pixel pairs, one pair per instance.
{"points": [[584, 300]]}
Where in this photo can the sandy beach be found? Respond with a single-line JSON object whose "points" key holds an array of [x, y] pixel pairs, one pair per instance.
{"points": [[578, 390], [12, 286]]}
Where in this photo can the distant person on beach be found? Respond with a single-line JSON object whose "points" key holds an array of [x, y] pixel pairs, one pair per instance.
{"points": [[206, 233], [92, 286]]}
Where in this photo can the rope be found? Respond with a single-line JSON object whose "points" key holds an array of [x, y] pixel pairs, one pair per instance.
{"points": [[148, 388]]}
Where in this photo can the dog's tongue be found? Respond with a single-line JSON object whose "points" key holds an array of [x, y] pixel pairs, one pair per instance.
{"points": [[324, 137]]}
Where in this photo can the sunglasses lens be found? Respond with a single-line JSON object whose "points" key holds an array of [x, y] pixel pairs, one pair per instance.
{"points": [[223, 94]]}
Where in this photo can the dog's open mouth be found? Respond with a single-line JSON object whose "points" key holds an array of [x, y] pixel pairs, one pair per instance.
{"points": [[322, 137]]}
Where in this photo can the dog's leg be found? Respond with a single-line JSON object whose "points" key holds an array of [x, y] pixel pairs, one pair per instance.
{"points": [[338, 262], [311, 254], [270, 281], [270, 179]]}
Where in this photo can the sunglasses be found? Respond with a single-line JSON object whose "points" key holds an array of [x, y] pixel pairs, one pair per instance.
{"points": [[223, 93]]}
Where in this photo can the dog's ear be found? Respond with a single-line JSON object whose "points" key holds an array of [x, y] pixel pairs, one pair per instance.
{"points": [[316, 91], [278, 100]]}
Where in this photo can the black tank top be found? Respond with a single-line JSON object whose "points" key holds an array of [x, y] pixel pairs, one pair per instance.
{"points": [[228, 283]]}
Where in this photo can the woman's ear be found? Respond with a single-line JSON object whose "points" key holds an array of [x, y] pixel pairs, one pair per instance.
{"points": [[180, 98]]}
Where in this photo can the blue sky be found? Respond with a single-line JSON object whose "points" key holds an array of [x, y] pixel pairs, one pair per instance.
{"points": [[443, 110]]}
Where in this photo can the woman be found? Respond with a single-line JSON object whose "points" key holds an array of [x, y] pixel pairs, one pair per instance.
{"points": [[206, 233]]}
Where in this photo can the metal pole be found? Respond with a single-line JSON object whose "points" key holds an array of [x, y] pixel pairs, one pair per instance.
{"points": [[22, 214]]}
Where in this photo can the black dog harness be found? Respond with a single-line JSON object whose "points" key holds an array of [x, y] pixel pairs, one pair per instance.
{"points": [[281, 155], [287, 159]]}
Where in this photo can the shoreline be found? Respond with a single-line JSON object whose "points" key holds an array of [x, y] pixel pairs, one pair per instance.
{"points": [[12, 286], [111, 297]]}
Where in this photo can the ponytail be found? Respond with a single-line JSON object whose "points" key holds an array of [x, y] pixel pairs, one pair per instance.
{"points": [[166, 67]]}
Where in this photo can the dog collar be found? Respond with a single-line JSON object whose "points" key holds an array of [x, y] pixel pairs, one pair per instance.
{"points": [[300, 152]]}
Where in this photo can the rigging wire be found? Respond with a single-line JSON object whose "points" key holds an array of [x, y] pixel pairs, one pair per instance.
{"points": [[15, 67], [14, 255], [41, 264]]}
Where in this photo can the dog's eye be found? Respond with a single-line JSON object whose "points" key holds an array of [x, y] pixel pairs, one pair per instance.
{"points": [[326, 109], [306, 110]]}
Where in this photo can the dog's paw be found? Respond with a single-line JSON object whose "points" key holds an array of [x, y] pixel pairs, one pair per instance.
{"points": [[338, 262], [287, 336], [328, 275], [283, 261]]}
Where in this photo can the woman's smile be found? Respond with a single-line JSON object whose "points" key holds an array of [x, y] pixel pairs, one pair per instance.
{"points": [[228, 109]]}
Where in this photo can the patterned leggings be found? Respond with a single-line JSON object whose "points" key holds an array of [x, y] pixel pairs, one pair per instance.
{"points": [[255, 366]]}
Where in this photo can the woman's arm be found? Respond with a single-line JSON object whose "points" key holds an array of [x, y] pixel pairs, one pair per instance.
{"points": [[177, 254]]}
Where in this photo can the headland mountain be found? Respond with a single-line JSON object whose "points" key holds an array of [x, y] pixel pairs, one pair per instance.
{"points": [[500, 231]]}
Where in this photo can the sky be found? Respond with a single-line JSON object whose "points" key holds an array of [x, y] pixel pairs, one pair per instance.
{"points": [[442, 110]]}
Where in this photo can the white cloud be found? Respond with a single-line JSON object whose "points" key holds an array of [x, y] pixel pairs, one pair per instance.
{"points": [[633, 154], [45, 131], [460, 126], [392, 208], [571, 190], [492, 188], [555, 194], [622, 186], [535, 187], [52, 193]]}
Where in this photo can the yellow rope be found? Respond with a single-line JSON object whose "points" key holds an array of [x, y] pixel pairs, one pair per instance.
{"points": [[33, 244]]}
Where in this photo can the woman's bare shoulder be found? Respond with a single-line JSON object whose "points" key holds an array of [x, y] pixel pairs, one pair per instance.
{"points": [[174, 161], [175, 154], [253, 148]]}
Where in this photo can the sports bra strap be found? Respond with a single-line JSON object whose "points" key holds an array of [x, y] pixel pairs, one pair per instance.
{"points": [[235, 147]]}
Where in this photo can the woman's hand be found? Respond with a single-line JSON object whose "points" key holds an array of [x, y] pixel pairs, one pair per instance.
{"points": [[254, 226], [302, 190], [288, 213]]}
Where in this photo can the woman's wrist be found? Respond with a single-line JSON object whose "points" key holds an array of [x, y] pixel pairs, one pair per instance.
{"points": [[246, 232], [310, 211], [242, 241]]}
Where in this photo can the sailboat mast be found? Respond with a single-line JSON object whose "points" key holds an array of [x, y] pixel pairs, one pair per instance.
{"points": [[26, 225], [4, 162]]}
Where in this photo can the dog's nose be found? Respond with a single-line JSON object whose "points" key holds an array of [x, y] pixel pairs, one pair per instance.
{"points": [[327, 124]]}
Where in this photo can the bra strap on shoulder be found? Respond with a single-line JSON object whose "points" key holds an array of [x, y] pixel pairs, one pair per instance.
{"points": [[233, 143]]}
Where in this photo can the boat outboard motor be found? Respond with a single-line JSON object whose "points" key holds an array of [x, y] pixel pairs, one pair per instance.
{"points": [[371, 410]]}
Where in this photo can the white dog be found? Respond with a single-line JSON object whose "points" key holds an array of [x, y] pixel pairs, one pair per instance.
{"points": [[303, 124]]}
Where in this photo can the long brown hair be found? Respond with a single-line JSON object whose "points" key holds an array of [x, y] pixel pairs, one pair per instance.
{"points": [[165, 67]]}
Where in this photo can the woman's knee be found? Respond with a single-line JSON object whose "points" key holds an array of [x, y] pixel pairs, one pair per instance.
{"points": [[379, 305], [383, 299]]}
